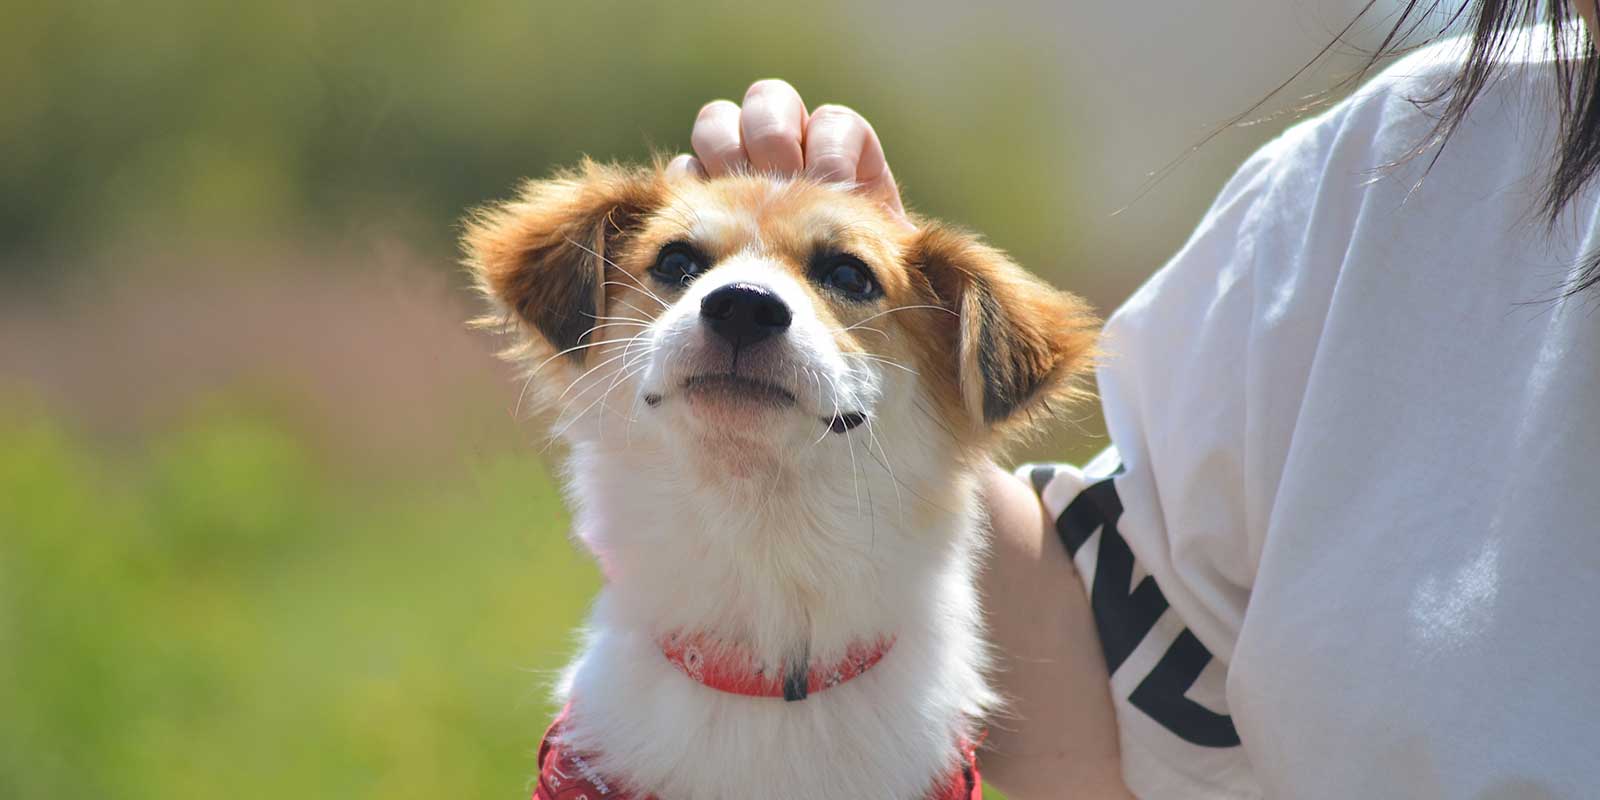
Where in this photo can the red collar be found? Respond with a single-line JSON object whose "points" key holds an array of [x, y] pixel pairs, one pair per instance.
{"points": [[731, 670]]}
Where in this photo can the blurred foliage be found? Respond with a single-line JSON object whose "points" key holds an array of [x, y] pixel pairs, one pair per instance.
{"points": [[223, 616], [172, 121]]}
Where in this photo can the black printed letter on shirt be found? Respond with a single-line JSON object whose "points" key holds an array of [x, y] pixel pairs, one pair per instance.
{"points": [[1124, 614]]}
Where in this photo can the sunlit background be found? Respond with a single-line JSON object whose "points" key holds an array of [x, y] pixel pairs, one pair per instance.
{"points": [[269, 526]]}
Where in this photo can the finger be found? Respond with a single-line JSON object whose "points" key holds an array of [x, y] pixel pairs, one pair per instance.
{"points": [[885, 190], [835, 137], [841, 145], [685, 166], [771, 123], [716, 138]]}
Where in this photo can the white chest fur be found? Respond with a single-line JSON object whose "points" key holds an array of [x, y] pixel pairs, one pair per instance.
{"points": [[742, 573]]}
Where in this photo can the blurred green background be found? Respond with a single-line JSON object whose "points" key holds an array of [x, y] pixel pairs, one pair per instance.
{"points": [[268, 524]]}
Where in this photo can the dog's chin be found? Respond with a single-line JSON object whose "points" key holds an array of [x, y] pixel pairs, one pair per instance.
{"points": [[737, 403], [730, 429]]}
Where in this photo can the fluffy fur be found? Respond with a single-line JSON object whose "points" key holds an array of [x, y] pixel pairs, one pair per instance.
{"points": [[750, 520]]}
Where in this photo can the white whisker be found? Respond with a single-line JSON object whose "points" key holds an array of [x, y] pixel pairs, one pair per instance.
{"points": [[867, 328], [612, 264], [626, 364], [615, 325], [873, 440], [855, 477], [586, 409], [528, 381], [648, 293], [888, 362], [827, 425], [892, 310], [622, 319], [632, 306], [573, 349], [591, 370]]}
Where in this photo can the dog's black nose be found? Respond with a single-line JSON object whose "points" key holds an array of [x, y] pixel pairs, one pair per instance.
{"points": [[744, 313]]}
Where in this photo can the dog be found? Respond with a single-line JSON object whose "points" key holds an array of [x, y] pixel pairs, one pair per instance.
{"points": [[775, 397]]}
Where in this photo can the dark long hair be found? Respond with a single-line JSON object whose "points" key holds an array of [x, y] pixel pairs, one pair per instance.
{"points": [[1496, 27]]}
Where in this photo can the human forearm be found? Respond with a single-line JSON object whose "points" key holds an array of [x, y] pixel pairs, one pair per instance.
{"points": [[1058, 737]]}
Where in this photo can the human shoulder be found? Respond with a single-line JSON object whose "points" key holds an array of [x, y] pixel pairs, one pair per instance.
{"points": [[1315, 175], [1397, 112], [1311, 183], [1380, 121], [1376, 132], [1524, 56]]}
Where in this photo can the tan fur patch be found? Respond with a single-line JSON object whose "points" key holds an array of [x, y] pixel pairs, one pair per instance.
{"points": [[1013, 353], [542, 257]]}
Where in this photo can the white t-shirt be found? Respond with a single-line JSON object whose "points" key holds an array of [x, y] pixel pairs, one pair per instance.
{"points": [[1347, 541]]}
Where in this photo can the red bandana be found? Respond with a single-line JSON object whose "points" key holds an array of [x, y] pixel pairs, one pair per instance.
{"points": [[566, 775]]}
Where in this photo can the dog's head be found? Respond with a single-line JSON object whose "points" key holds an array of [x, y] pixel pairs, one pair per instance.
{"points": [[749, 317]]}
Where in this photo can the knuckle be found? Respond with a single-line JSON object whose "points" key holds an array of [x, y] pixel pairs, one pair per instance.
{"points": [[836, 112], [727, 153], [770, 133], [834, 166]]}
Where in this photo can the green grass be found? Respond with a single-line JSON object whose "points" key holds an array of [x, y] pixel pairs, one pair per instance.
{"points": [[222, 615]]}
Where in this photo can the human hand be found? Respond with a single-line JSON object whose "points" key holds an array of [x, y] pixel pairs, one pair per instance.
{"points": [[772, 132]]}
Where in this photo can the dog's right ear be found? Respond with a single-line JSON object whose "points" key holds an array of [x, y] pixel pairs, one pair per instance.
{"points": [[542, 257], [1009, 343]]}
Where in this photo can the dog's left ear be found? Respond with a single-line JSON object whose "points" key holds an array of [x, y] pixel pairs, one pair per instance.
{"points": [[1011, 343], [542, 257]]}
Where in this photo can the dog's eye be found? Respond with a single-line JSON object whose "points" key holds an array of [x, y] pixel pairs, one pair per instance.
{"points": [[847, 275], [678, 264]]}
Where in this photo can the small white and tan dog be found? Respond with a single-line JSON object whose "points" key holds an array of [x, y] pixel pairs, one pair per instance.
{"points": [[776, 398]]}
